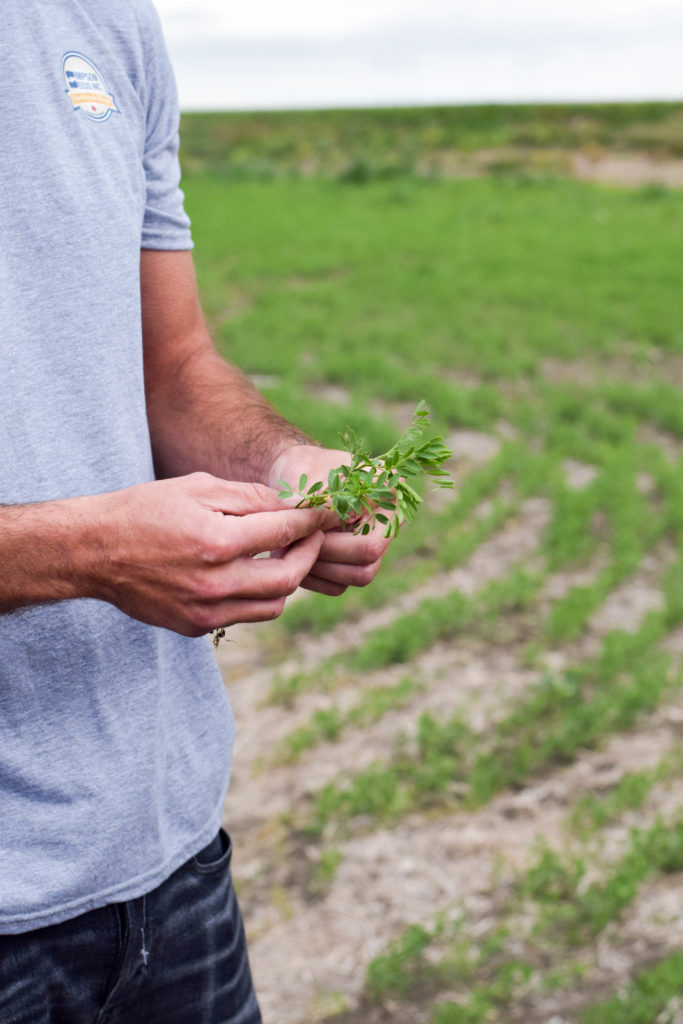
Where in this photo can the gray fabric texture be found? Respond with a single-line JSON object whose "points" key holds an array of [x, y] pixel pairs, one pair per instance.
{"points": [[115, 736]]}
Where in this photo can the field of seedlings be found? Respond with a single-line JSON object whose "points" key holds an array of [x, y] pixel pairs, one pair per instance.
{"points": [[458, 794]]}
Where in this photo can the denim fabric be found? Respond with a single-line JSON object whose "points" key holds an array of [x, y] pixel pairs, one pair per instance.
{"points": [[175, 956]]}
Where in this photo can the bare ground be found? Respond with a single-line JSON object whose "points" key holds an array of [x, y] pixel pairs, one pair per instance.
{"points": [[310, 955], [625, 170]]}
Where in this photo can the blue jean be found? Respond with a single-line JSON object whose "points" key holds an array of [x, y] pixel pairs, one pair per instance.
{"points": [[175, 956]]}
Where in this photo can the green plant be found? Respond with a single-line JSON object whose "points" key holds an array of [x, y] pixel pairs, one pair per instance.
{"points": [[325, 871], [394, 972], [645, 999], [358, 490], [327, 724]]}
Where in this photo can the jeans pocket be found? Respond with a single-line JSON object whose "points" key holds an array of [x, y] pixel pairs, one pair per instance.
{"points": [[215, 856]]}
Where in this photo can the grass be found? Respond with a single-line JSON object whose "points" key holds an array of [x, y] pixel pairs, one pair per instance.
{"points": [[318, 280]]}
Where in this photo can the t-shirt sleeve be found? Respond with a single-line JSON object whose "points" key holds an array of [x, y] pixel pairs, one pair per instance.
{"points": [[165, 224]]}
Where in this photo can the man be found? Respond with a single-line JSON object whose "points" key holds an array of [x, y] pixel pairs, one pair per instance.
{"points": [[136, 479]]}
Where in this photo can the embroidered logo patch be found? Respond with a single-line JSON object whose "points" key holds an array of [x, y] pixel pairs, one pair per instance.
{"points": [[86, 87]]}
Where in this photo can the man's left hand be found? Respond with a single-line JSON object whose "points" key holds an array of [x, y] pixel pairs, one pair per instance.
{"points": [[346, 559]]}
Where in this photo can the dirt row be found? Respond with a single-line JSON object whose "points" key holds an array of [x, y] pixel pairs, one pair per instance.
{"points": [[310, 956]]}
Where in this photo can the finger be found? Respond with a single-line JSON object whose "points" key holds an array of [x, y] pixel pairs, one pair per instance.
{"points": [[354, 548], [346, 575], [265, 578], [237, 498], [245, 611], [232, 497], [321, 586], [266, 531]]}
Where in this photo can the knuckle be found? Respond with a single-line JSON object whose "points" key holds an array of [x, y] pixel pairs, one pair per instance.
{"points": [[200, 478], [216, 545], [257, 494], [208, 547], [288, 531]]}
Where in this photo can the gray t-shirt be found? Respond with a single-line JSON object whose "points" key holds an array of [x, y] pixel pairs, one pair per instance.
{"points": [[115, 736]]}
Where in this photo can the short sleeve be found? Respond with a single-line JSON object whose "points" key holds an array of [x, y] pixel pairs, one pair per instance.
{"points": [[165, 224]]}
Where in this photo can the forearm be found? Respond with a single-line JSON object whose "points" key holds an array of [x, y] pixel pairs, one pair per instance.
{"points": [[204, 414], [48, 552], [210, 417]]}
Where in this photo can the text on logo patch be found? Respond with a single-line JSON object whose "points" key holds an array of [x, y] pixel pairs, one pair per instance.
{"points": [[86, 87]]}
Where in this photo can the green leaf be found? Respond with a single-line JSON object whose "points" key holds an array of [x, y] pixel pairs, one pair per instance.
{"points": [[367, 484]]}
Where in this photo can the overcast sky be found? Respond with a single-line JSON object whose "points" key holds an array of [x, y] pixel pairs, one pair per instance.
{"points": [[322, 53]]}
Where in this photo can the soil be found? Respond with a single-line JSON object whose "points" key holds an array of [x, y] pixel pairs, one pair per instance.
{"points": [[310, 947], [626, 169]]}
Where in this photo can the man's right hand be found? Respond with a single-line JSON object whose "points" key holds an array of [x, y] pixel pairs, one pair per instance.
{"points": [[176, 553]]}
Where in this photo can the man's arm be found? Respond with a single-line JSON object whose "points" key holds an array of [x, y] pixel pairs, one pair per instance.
{"points": [[205, 414], [47, 551], [174, 553], [177, 552]]}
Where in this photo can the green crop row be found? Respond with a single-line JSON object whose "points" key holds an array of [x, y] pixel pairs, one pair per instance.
{"points": [[578, 913], [591, 813], [560, 717], [425, 961], [327, 724], [413, 778], [633, 530], [646, 999], [409, 634], [557, 718], [405, 969]]}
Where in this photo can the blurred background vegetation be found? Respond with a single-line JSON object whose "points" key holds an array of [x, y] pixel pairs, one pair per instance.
{"points": [[426, 141]]}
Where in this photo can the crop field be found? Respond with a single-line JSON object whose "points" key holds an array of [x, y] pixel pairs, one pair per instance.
{"points": [[457, 796]]}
